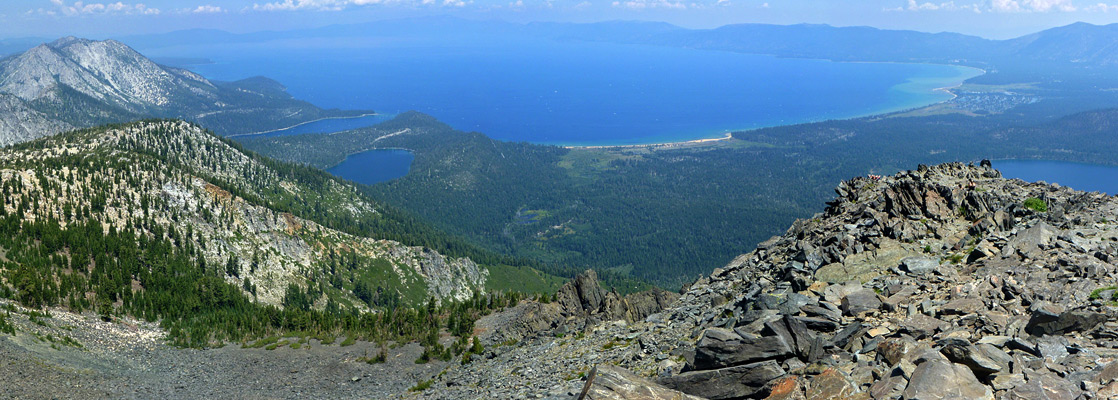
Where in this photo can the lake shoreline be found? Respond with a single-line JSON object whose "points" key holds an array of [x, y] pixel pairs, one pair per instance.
{"points": [[729, 135], [371, 114]]}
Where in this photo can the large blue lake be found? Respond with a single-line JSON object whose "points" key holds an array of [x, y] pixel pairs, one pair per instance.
{"points": [[571, 92], [1078, 176]]}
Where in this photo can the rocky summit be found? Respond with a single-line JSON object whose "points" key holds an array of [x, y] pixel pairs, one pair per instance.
{"points": [[945, 282]]}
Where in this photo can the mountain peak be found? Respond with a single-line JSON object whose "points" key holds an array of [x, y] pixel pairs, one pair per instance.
{"points": [[66, 41]]}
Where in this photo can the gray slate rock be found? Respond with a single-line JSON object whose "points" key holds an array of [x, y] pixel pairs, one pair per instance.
{"points": [[919, 265], [938, 379], [1043, 322], [608, 382], [859, 302], [720, 348], [982, 359], [1043, 385], [726, 383], [920, 325]]}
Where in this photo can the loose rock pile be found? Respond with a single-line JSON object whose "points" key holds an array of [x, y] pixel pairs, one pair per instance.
{"points": [[936, 283]]}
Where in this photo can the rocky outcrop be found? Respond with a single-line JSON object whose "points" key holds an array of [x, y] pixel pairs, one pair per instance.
{"points": [[580, 303], [934, 283], [583, 297]]}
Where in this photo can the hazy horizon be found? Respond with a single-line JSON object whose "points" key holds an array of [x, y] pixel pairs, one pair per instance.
{"points": [[994, 19]]}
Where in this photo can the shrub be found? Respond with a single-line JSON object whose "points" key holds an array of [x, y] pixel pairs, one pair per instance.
{"points": [[1036, 204], [421, 386]]}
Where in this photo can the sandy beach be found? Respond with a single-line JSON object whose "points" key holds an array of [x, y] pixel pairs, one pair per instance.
{"points": [[728, 136]]}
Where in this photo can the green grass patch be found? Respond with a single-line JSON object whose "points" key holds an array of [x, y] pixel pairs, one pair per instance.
{"points": [[422, 385], [261, 342], [349, 341], [326, 338], [614, 343], [1036, 204], [1097, 293], [277, 345]]}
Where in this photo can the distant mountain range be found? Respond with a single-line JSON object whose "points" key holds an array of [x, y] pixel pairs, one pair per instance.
{"points": [[1076, 44], [73, 83]]}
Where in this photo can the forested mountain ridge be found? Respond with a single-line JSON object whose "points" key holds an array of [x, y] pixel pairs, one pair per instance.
{"points": [[663, 216], [164, 220], [79, 83]]}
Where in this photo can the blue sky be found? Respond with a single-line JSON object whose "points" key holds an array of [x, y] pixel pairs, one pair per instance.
{"points": [[105, 18]]}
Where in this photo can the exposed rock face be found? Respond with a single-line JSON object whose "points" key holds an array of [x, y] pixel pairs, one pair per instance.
{"points": [[21, 123], [108, 71], [75, 83], [582, 296], [931, 284]]}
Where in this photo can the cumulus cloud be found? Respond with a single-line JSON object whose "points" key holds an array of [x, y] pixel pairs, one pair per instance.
{"points": [[61, 7], [913, 5], [336, 5], [1101, 7], [206, 9], [291, 5], [998, 6]]}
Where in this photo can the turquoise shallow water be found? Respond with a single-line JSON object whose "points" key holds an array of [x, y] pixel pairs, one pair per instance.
{"points": [[566, 92], [1078, 176]]}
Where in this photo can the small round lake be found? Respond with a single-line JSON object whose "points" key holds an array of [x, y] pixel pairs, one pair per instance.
{"points": [[1078, 176], [374, 166]]}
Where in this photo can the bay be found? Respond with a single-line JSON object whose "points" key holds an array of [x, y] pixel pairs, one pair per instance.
{"points": [[572, 92], [328, 125], [1078, 176]]}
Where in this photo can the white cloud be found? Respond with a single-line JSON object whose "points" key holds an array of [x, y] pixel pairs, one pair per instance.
{"points": [[913, 5], [1031, 6], [290, 5], [206, 9], [1101, 7], [454, 3], [338, 5], [998, 6], [83, 8], [649, 4]]}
